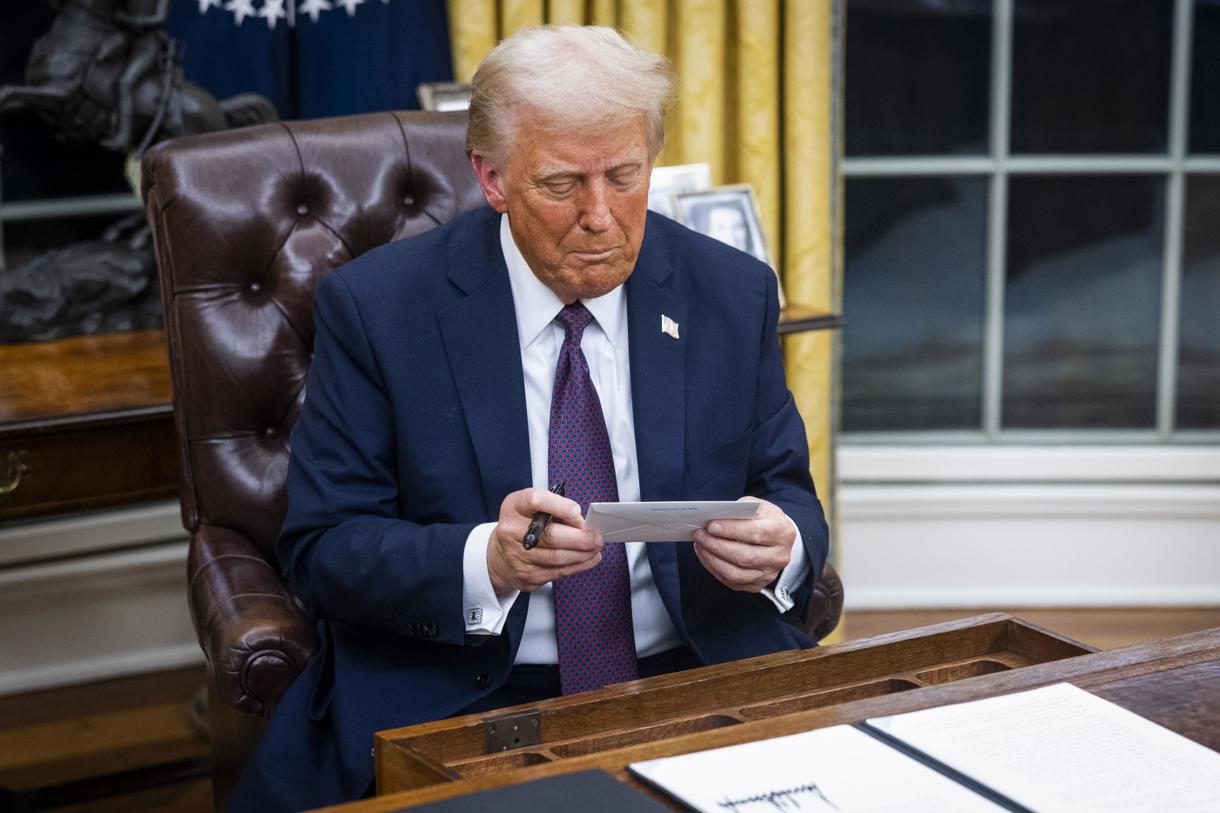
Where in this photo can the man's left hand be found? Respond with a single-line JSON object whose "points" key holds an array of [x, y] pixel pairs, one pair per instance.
{"points": [[747, 554]]}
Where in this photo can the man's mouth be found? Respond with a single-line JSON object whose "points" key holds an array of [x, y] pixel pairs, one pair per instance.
{"points": [[594, 256]]}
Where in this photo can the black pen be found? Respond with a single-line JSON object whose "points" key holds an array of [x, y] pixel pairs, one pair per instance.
{"points": [[533, 534]]}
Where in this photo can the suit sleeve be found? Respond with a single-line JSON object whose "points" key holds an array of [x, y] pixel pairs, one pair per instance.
{"points": [[343, 548], [779, 450]]}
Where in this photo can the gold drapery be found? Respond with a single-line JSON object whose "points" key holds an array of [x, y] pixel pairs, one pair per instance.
{"points": [[755, 101]]}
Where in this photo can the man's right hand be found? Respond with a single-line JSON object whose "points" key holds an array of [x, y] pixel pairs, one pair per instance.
{"points": [[566, 547]]}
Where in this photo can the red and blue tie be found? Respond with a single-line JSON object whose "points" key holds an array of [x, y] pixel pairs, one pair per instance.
{"points": [[593, 630]]}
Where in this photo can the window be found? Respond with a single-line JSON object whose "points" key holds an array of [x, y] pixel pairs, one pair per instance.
{"points": [[1032, 191]]}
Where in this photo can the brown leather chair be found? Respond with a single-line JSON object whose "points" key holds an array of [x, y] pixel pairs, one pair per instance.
{"points": [[246, 222]]}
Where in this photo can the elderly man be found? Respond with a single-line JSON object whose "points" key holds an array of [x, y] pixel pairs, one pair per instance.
{"points": [[562, 334]]}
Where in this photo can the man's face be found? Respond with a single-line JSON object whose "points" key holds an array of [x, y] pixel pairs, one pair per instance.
{"points": [[576, 204]]}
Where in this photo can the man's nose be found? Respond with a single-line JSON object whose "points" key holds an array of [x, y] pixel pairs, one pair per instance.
{"points": [[595, 207]]}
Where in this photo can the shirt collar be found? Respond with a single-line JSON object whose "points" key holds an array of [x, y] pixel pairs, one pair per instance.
{"points": [[536, 305]]}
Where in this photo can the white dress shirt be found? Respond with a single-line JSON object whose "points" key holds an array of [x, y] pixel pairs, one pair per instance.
{"points": [[605, 347]]}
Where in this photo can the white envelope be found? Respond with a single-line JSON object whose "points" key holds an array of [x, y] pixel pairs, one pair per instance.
{"points": [[661, 521]]}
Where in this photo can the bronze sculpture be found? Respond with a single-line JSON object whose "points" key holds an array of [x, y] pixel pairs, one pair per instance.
{"points": [[106, 72], [93, 286]]}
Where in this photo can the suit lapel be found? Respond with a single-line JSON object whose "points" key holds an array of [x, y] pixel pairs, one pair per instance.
{"points": [[480, 335], [658, 394], [658, 385]]}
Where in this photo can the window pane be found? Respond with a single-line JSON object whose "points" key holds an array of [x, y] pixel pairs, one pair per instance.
{"points": [[1082, 301], [1205, 79], [917, 76], [1090, 75], [1199, 321], [913, 297]]}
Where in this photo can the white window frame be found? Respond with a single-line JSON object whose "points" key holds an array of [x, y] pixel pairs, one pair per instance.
{"points": [[997, 166], [1004, 518]]}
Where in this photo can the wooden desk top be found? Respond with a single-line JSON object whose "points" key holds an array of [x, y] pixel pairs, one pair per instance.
{"points": [[1174, 682], [85, 423], [798, 318], [73, 378]]}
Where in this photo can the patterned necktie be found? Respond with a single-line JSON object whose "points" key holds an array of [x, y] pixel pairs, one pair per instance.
{"points": [[593, 631]]}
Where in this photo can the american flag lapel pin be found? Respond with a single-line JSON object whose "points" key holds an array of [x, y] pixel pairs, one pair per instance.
{"points": [[669, 327]]}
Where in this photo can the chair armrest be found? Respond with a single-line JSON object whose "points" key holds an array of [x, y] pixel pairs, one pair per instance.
{"points": [[254, 634], [825, 604]]}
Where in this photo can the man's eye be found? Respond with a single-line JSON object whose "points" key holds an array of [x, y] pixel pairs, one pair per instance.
{"points": [[561, 188], [625, 178]]}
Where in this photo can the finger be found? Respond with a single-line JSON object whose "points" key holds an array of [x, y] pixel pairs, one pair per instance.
{"points": [[568, 538], [580, 567], [539, 576], [533, 500], [743, 555], [741, 530], [730, 575], [732, 554], [558, 558], [762, 531]]}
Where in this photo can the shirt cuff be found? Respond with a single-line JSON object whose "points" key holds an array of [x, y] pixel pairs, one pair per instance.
{"points": [[790, 578], [485, 612]]}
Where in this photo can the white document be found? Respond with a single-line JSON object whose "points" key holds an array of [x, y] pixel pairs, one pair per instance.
{"points": [[661, 521], [829, 769], [1060, 748]]}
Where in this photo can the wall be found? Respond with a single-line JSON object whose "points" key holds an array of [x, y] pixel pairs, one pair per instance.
{"points": [[92, 597], [1029, 526]]}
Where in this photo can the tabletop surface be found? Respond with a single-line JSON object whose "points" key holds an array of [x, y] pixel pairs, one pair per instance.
{"points": [[84, 375], [1174, 682]]}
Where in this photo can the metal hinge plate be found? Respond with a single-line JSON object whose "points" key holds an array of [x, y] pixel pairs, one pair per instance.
{"points": [[512, 731]]}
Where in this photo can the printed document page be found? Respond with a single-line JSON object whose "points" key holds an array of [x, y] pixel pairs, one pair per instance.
{"points": [[830, 769], [1060, 748]]}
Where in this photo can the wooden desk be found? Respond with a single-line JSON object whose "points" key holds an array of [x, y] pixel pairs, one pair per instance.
{"points": [[1175, 682], [798, 319], [85, 422]]}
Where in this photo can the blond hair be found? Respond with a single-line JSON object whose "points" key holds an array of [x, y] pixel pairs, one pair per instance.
{"points": [[566, 78]]}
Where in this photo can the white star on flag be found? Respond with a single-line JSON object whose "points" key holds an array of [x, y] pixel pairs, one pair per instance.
{"points": [[350, 5], [272, 11], [241, 9], [313, 8], [204, 5]]}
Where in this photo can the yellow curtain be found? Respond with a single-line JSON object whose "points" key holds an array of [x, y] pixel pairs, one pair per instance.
{"points": [[755, 101]]}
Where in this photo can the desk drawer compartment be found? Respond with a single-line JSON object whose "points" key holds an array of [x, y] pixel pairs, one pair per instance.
{"points": [[819, 700]]}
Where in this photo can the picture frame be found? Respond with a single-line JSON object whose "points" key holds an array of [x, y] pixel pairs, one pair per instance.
{"points": [[666, 182], [443, 96], [729, 214]]}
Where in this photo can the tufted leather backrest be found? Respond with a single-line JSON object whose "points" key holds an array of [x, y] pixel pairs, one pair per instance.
{"points": [[246, 223]]}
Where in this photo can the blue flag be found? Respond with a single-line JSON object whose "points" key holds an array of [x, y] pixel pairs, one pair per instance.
{"points": [[314, 58]]}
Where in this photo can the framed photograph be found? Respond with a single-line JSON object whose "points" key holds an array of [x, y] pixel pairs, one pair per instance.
{"points": [[443, 96], [729, 214], [667, 182]]}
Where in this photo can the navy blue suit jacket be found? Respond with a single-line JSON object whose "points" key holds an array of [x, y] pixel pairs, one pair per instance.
{"points": [[414, 430]]}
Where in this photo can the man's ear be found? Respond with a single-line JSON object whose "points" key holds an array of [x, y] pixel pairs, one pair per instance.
{"points": [[490, 180]]}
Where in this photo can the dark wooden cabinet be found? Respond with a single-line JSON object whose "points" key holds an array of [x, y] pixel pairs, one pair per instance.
{"points": [[85, 423]]}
